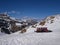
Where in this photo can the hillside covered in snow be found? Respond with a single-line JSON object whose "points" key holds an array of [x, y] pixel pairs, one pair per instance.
{"points": [[51, 22], [30, 37]]}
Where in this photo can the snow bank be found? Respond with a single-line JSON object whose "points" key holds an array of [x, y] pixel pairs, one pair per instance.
{"points": [[31, 39]]}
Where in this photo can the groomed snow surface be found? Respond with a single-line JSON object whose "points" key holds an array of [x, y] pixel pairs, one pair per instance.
{"points": [[33, 38]]}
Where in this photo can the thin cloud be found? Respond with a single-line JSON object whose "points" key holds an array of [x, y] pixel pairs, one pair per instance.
{"points": [[5, 12], [12, 12]]}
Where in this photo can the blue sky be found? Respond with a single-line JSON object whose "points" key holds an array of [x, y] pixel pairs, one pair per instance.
{"points": [[30, 8]]}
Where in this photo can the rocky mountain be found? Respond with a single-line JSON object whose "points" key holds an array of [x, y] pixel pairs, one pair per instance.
{"points": [[17, 24], [50, 22]]}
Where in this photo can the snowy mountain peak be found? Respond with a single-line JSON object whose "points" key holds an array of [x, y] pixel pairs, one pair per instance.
{"points": [[51, 22]]}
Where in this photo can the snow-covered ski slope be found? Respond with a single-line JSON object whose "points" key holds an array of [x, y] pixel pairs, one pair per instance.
{"points": [[33, 38], [55, 26]]}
